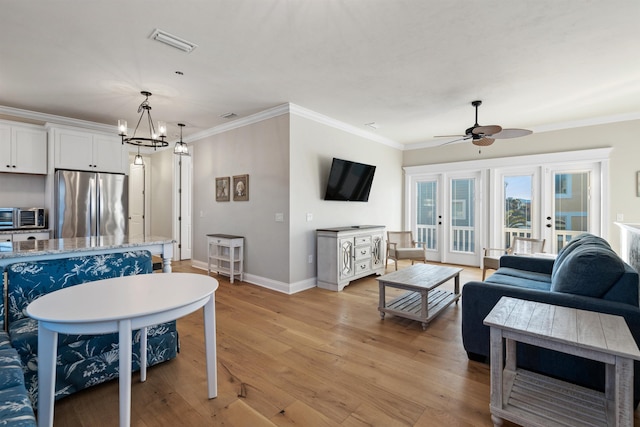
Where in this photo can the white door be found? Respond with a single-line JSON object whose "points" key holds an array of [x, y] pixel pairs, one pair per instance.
{"points": [[185, 208], [574, 205], [136, 200], [461, 219], [427, 215], [516, 207]]}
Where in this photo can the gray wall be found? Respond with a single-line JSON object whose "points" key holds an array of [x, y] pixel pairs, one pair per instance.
{"points": [[624, 160], [288, 159], [161, 199]]}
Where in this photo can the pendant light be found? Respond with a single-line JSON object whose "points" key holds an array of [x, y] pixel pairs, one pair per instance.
{"points": [[181, 148], [155, 139]]}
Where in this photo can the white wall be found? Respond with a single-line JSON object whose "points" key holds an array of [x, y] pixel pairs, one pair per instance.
{"points": [[313, 146], [22, 190], [624, 161]]}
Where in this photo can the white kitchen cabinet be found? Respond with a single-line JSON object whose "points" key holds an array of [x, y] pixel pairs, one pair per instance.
{"points": [[23, 149], [81, 150], [349, 253]]}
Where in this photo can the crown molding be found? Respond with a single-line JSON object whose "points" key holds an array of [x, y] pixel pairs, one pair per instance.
{"points": [[328, 121], [53, 119]]}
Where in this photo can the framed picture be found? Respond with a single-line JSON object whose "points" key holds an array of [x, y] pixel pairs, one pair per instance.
{"points": [[241, 188], [222, 189]]}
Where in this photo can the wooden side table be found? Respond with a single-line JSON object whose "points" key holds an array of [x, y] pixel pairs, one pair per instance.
{"points": [[532, 399], [226, 255]]}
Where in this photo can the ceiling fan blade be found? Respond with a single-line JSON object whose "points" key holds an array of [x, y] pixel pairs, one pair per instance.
{"points": [[486, 130], [483, 142], [511, 133], [450, 136], [455, 140]]}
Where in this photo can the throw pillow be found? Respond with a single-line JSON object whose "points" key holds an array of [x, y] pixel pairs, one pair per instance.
{"points": [[589, 270]]}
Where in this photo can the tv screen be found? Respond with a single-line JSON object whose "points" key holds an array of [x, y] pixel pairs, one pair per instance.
{"points": [[349, 181]]}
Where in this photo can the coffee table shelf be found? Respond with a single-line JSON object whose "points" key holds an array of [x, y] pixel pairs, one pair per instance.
{"points": [[425, 300], [409, 305]]}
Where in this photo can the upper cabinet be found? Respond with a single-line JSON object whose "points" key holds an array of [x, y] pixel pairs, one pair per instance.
{"points": [[23, 148], [89, 151]]}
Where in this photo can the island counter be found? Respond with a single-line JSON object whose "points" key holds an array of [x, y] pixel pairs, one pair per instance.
{"points": [[35, 250]]}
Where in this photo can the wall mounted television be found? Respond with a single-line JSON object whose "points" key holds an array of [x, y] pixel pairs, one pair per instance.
{"points": [[349, 181]]}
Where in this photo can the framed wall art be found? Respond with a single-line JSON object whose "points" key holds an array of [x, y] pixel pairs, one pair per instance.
{"points": [[241, 188], [222, 189]]}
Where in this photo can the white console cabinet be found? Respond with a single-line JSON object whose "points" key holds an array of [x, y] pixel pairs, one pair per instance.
{"points": [[226, 255], [349, 253]]}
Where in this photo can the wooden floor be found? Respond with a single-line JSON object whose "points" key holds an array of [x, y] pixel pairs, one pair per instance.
{"points": [[316, 358]]}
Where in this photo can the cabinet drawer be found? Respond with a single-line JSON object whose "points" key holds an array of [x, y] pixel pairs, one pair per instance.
{"points": [[363, 240], [363, 266], [362, 252]]}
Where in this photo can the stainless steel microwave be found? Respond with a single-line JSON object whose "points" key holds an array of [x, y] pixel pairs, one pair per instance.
{"points": [[21, 218]]}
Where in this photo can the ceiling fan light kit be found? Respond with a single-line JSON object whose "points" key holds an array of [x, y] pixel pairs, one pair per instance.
{"points": [[484, 136]]}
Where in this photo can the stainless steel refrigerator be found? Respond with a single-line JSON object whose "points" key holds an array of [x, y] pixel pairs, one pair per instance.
{"points": [[90, 204]]}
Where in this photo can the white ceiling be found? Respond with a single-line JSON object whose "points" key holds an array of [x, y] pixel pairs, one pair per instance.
{"points": [[413, 67]]}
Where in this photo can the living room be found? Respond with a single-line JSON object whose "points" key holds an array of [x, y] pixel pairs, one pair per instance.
{"points": [[285, 144]]}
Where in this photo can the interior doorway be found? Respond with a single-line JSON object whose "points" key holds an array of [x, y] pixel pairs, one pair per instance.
{"points": [[183, 206], [137, 201]]}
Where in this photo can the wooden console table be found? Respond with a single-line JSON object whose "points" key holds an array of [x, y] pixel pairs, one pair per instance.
{"points": [[535, 400]]}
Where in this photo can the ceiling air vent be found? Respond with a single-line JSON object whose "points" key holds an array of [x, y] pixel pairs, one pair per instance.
{"points": [[173, 41], [228, 115]]}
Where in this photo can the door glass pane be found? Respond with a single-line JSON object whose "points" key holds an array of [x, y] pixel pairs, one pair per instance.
{"points": [[462, 215], [427, 215], [517, 207], [571, 206]]}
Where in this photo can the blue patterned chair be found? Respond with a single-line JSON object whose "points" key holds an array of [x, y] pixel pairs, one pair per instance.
{"points": [[15, 406], [83, 360]]}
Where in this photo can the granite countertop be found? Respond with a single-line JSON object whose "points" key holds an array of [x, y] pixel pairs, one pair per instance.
{"points": [[76, 244]]}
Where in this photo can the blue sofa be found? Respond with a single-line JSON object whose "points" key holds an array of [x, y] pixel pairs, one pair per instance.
{"points": [[83, 360], [587, 274]]}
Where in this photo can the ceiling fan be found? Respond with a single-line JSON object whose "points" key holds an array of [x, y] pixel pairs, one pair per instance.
{"points": [[485, 135]]}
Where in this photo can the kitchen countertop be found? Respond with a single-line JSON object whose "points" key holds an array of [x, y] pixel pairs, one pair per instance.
{"points": [[75, 244], [25, 231]]}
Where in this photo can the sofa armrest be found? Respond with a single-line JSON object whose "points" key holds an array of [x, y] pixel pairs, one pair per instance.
{"points": [[528, 263], [478, 298]]}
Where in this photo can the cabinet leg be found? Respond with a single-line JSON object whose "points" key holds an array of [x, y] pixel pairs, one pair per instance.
{"points": [[497, 421]]}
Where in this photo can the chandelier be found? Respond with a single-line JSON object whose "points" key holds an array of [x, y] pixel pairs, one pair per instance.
{"points": [[155, 139], [181, 148]]}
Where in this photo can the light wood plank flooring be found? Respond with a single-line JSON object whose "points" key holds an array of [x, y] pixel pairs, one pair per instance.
{"points": [[316, 358]]}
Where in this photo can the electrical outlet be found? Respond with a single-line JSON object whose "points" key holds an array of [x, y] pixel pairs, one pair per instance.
{"points": [[279, 217], [310, 259], [309, 217], [620, 217]]}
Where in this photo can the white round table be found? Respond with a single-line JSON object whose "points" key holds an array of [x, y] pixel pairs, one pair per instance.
{"points": [[121, 305]]}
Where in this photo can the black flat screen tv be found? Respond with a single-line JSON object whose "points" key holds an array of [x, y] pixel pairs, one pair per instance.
{"points": [[349, 181]]}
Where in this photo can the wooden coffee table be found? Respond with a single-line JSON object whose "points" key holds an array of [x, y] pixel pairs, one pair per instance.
{"points": [[424, 301]]}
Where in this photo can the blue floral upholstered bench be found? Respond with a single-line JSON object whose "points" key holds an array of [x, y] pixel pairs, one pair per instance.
{"points": [[83, 360], [15, 406]]}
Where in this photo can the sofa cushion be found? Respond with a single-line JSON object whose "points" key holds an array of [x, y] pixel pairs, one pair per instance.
{"points": [[576, 242], [589, 270], [520, 278]]}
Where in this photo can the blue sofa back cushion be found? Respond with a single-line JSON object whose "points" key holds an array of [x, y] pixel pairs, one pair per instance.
{"points": [[589, 270], [27, 281], [575, 243]]}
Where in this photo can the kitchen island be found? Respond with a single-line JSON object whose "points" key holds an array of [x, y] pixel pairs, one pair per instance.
{"points": [[35, 250]]}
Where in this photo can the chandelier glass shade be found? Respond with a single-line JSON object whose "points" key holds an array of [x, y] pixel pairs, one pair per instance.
{"points": [[155, 139], [181, 148]]}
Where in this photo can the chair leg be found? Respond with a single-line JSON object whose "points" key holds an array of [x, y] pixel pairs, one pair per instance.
{"points": [[395, 261], [484, 273]]}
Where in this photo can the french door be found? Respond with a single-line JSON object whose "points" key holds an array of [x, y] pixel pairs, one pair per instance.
{"points": [[555, 202], [445, 216]]}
